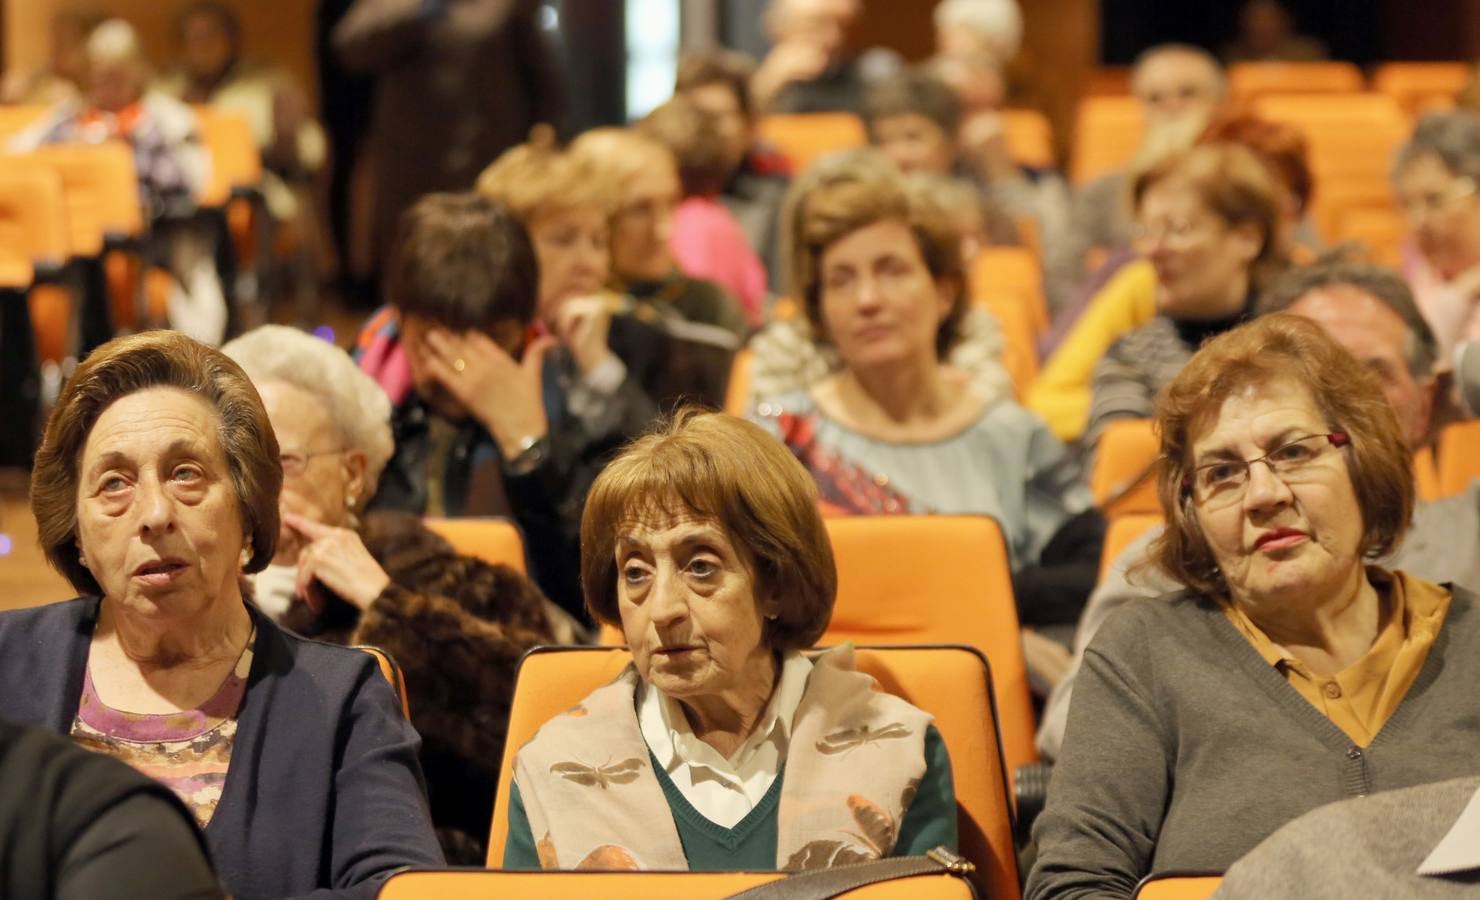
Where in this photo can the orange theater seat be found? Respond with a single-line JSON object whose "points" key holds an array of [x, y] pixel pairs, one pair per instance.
{"points": [[1008, 282], [1121, 533], [1123, 479], [1421, 86], [803, 137], [953, 683], [479, 884], [33, 241], [1377, 229], [391, 671], [1255, 79], [235, 161], [1426, 474], [1029, 138], [1106, 136], [886, 595], [493, 540], [1177, 887], [1352, 137], [1108, 80], [1459, 457]]}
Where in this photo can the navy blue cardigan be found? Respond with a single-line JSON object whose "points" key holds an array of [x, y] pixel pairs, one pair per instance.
{"points": [[324, 795]]}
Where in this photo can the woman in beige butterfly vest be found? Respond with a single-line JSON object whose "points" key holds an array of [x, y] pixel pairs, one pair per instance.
{"points": [[726, 744]]}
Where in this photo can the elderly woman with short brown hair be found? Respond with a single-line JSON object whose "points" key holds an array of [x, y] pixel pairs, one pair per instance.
{"points": [[1290, 672], [704, 544], [156, 487]]}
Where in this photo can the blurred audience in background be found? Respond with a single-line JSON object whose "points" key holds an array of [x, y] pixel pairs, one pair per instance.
{"points": [[63, 77], [810, 66], [1266, 33], [457, 83]]}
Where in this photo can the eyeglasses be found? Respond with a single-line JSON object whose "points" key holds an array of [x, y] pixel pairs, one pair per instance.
{"points": [[1223, 483], [294, 462], [1170, 232], [1437, 202]]}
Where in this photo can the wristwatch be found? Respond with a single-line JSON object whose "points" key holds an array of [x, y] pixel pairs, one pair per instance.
{"points": [[533, 449]]}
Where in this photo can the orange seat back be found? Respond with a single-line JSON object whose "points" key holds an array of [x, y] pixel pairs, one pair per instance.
{"points": [[1108, 81], [101, 189], [481, 884], [1123, 479], [33, 223], [1178, 887], [737, 389], [1106, 135], [15, 118], [1378, 229], [495, 541], [803, 137], [1121, 532], [1352, 137], [1459, 457], [1255, 79], [1029, 137], [235, 159], [954, 684], [1008, 283], [391, 670], [1421, 86], [1426, 475]]}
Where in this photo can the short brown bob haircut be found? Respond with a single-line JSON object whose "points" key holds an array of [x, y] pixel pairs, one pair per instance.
{"points": [[1269, 348], [124, 366], [730, 472], [851, 190], [728, 68]]}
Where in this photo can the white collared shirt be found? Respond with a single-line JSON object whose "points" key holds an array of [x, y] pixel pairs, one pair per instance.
{"points": [[724, 790]]}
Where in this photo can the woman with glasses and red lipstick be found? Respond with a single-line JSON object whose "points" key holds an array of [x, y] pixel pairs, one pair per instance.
{"points": [[1291, 672]]}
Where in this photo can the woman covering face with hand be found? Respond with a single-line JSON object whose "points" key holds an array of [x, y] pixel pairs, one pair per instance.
{"points": [[490, 415], [156, 487]]}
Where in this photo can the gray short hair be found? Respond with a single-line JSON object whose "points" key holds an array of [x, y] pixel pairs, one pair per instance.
{"points": [[1378, 282], [1002, 19], [1453, 137], [1177, 49], [360, 410], [114, 40]]}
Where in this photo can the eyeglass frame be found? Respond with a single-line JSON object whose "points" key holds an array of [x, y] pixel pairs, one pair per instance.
{"points": [[307, 458], [1337, 439]]}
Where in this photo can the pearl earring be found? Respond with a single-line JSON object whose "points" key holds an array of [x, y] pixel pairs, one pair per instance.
{"points": [[349, 502]]}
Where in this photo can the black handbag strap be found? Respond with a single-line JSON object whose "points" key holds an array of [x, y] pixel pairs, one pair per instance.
{"points": [[827, 883]]}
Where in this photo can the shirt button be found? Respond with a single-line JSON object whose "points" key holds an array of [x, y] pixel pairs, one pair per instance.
{"points": [[1333, 690], [881, 480], [1354, 753]]}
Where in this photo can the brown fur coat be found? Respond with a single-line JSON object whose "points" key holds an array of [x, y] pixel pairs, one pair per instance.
{"points": [[457, 626]]}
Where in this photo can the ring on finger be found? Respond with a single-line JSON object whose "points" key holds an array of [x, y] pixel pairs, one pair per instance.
{"points": [[458, 365]]}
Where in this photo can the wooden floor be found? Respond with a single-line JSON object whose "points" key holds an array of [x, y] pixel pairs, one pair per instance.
{"points": [[25, 578]]}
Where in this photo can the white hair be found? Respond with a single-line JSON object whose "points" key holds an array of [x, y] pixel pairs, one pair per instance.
{"points": [[360, 410], [114, 40], [1000, 20]]}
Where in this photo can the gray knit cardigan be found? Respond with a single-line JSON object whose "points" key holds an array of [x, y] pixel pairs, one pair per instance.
{"points": [[1185, 748]]}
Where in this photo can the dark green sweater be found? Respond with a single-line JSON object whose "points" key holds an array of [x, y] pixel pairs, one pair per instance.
{"points": [[751, 844]]}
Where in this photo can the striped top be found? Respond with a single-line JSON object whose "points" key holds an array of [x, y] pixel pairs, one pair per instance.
{"points": [[187, 751]]}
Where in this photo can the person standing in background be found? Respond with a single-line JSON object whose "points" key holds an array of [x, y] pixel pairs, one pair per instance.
{"points": [[457, 83]]}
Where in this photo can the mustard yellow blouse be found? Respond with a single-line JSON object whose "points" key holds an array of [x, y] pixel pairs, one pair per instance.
{"points": [[1360, 698]]}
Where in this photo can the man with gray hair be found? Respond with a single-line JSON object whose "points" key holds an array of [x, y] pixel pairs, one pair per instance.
{"points": [[1180, 87], [1369, 311], [809, 68]]}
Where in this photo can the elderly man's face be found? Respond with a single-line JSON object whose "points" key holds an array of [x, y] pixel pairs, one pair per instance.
{"points": [[159, 523], [1379, 339], [114, 84], [320, 479], [822, 23], [1174, 84]]}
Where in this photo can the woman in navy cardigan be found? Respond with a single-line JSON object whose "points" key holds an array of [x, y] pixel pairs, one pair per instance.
{"points": [[155, 488]]}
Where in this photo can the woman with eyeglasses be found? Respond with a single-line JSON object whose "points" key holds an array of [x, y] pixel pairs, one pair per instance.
{"points": [[1209, 222], [1435, 181], [1292, 671]]}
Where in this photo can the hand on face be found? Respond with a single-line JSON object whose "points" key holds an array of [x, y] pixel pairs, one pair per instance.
{"points": [[505, 395], [583, 325], [336, 559]]}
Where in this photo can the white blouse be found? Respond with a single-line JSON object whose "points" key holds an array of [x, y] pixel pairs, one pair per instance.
{"points": [[724, 790]]}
